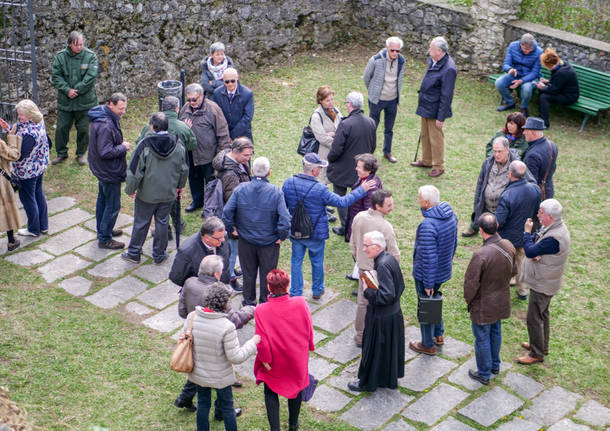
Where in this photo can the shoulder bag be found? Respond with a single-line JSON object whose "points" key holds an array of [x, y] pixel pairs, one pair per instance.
{"points": [[182, 358], [308, 142]]}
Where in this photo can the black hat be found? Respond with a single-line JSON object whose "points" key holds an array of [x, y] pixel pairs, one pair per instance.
{"points": [[534, 123]]}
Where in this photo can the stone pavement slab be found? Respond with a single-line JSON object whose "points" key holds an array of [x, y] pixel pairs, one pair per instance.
{"points": [[137, 308], [24, 240], [62, 266], [60, 203], [423, 371], [412, 333], [551, 406], [147, 247], [452, 424], [92, 251], [328, 296], [118, 292], [343, 348], [77, 286], [518, 424], [491, 406], [245, 333], [524, 386], [156, 273], [113, 267], [375, 409], [68, 240], [121, 221], [67, 219], [160, 296], [398, 425], [246, 368], [29, 258], [454, 348], [336, 316], [317, 337], [461, 377], [320, 368], [568, 425], [594, 413], [444, 398], [328, 399], [166, 320], [349, 374], [313, 307]]}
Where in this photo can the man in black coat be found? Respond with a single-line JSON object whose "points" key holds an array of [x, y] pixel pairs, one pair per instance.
{"points": [[383, 342], [355, 135], [434, 106], [541, 156]]}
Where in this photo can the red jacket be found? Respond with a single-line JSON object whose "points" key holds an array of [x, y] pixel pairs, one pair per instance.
{"points": [[286, 331]]}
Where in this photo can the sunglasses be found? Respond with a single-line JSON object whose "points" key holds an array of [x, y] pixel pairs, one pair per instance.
{"points": [[394, 50], [192, 99], [230, 81]]}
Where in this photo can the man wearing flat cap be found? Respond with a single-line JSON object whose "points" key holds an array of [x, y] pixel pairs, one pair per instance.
{"points": [[315, 196], [541, 155]]}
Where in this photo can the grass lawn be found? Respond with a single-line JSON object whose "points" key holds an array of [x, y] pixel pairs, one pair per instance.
{"points": [[73, 366]]}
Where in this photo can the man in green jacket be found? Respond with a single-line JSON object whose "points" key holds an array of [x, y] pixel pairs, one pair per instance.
{"points": [[73, 73], [170, 106]]}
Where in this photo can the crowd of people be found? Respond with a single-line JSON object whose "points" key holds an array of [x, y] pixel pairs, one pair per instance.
{"points": [[210, 138]]}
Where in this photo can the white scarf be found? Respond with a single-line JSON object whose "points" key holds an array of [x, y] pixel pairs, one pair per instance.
{"points": [[217, 71]]}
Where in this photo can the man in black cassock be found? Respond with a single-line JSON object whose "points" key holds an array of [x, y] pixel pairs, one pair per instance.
{"points": [[383, 342]]}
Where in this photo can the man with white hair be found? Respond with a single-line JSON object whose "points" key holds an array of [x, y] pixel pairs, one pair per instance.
{"points": [[383, 345], [383, 79], [434, 106], [435, 244], [237, 104], [355, 135], [546, 253], [256, 213]]}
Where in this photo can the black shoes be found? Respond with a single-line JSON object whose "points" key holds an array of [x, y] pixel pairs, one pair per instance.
{"points": [[126, 256], [332, 218], [354, 386], [474, 375], [218, 414], [349, 277], [330, 210], [236, 285], [116, 232], [185, 405], [318, 296], [111, 245], [339, 230], [192, 208]]}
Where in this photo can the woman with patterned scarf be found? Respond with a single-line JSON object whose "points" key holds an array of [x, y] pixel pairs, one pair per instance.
{"points": [[212, 68]]}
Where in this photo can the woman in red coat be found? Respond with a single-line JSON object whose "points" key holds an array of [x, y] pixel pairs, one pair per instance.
{"points": [[286, 331]]}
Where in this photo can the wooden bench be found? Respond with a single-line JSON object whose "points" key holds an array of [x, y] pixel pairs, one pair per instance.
{"points": [[594, 91]]}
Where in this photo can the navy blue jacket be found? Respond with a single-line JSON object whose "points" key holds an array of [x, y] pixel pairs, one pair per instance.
{"points": [[238, 112], [518, 202], [317, 199], [436, 90], [537, 160], [435, 244], [258, 210], [527, 66], [106, 155]]}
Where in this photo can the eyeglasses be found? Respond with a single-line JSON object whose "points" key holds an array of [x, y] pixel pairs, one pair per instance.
{"points": [[367, 245], [192, 99], [230, 81], [394, 50]]}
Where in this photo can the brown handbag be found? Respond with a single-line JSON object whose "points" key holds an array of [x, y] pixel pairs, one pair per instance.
{"points": [[182, 358]]}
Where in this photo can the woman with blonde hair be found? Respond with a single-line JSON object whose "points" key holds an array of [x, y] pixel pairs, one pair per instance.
{"points": [[561, 89], [29, 168]]}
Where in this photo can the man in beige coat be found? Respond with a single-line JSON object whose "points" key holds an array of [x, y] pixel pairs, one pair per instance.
{"points": [[367, 221]]}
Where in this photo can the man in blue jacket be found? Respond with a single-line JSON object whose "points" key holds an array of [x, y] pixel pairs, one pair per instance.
{"points": [[316, 196], [522, 69], [256, 213], [518, 202], [237, 104], [435, 244], [434, 106], [108, 162]]}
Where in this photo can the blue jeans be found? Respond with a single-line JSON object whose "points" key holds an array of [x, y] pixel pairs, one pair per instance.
{"points": [[487, 342], [34, 203], [107, 209], [316, 257], [391, 108], [505, 81], [232, 256], [428, 331], [224, 403]]}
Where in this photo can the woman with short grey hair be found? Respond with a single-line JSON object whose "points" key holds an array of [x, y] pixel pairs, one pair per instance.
{"points": [[212, 68]]}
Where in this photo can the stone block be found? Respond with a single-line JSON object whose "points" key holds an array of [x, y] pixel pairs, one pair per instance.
{"points": [[328, 296], [317, 337], [113, 267], [29, 258], [444, 398], [461, 377], [551, 405], [67, 219], [423, 371], [328, 399], [313, 307], [491, 406], [454, 348], [160, 296], [524, 386], [568, 425], [60, 203], [92, 251], [156, 273], [118, 292], [147, 247], [336, 316], [139, 309], [452, 424], [375, 409], [343, 348], [398, 425], [594, 413], [67, 240], [320, 368], [166, 320], [121, 221], [62, 266], [77, 286], [518, 424]]}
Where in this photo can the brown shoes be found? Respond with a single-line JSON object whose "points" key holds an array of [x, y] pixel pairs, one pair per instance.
{"points": [[81, 159], [419, 348], [439, 341], [527, 346], [59, 159], [419, 164], [468, 233], [529, 360], [390, 157], [436, 173]]}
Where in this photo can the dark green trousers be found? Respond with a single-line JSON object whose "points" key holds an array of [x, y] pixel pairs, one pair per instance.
{"points": [[65, 119]]}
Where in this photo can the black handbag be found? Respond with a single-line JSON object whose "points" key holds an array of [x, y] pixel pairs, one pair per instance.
{"points": [[430, 309], [15, 183], [308, 142]]}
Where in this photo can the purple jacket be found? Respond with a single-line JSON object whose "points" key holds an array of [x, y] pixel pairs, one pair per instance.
{"points": [[106, 155], [361, 204]]}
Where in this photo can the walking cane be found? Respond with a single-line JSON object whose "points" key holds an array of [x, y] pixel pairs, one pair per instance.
{"points": [[417, 150]]}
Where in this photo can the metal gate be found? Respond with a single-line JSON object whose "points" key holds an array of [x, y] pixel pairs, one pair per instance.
{"points": [[18, 72]]}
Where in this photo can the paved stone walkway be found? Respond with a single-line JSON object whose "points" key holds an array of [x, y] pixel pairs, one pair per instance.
{"points": [[436, 392]]}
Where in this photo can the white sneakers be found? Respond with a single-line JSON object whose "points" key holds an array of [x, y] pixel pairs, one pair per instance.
{"points": [[25, 232]]}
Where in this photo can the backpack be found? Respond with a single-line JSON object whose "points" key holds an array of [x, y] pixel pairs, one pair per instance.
{"points": [[213, 199], [300, 224]]}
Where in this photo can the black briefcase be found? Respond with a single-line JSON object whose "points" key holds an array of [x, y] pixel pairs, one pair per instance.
{"points": [[430, 309]]}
